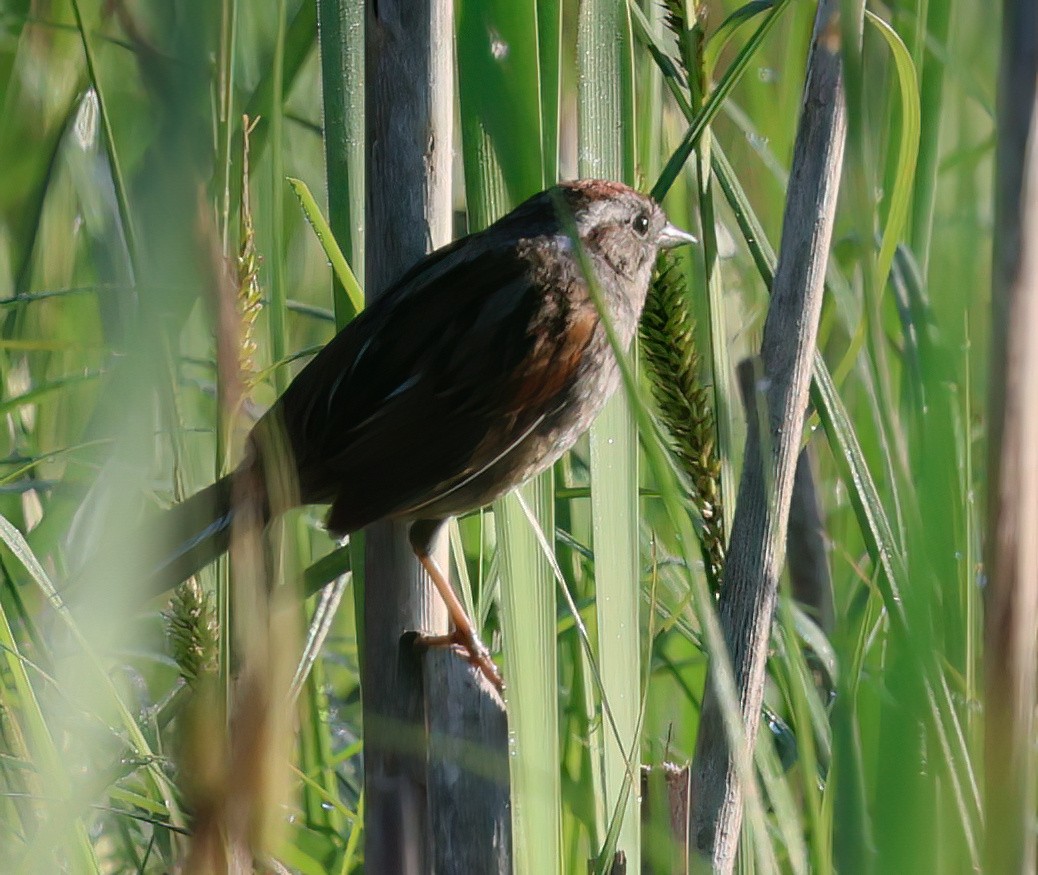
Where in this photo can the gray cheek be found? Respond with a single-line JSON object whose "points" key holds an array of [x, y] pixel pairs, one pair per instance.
{"points": [[642, 283]]}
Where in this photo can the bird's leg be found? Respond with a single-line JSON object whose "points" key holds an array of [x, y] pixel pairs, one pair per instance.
{"points": [[464, 633]]}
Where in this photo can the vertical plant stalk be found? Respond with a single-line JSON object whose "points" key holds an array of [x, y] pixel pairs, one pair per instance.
{"points": [[469, 786], [226, 118], [278, 293], [502, 166], [528, 621], [237, 821], [340, 28], [931, 86], [809, 578], [757, 544], [1012, 597], [410, 815], [340, 31], [720, 364], [606, 149]]}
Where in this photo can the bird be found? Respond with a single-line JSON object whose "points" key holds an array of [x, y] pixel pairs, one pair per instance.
{"points": [[474, 371]]}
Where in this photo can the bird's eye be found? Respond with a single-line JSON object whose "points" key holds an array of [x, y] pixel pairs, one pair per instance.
{"points": [[640, 223]]}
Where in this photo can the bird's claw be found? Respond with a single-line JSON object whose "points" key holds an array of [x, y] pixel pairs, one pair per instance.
{"points": [[472, 649]]}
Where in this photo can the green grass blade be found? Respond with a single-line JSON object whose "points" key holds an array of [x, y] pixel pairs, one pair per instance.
{"points": [[226, 116], [671, 494], [341, 36], [354, 302], [121, 196], [500, 94], [278, 310], [938, 21], [508, 147], [43, 390], [549, 47], [908, 147], [606, 123], [528, 624], [726, 30], [717, 305], [47, 775], [712, 106], [673, 75]]}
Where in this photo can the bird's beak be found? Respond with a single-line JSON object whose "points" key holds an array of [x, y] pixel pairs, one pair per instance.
{"points": [[672, 236]]}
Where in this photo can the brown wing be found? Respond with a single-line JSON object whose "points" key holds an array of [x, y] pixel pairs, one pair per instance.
{"points": [[398, 403], [531, 413], [440, 376]]}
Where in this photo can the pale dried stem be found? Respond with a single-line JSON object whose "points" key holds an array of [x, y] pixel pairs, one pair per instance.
{"points": [[410, 781], [757, 547], [1011, 639]]}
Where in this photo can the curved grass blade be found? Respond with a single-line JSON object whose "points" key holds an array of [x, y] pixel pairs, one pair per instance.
{"points": [[908, 147], [720, 38], [35, 729], [673, 75], [331, 249], [713, 103], [17, 544], [121, 197]]}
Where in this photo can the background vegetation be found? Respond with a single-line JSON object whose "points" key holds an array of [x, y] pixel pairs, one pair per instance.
{"points": [[121, 201]]}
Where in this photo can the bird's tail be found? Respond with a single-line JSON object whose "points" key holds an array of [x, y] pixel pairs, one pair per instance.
{"points": [[173, 544], [167, 548], [191, 534]]}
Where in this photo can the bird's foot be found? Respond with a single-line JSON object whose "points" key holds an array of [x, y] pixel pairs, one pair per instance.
{"points": [[471, 648]]}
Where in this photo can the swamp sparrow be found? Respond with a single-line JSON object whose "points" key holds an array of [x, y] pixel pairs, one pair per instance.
{"points": [[477, 369]]}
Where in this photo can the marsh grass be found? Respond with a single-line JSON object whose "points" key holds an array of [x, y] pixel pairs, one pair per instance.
{"points": [[121, 143]]}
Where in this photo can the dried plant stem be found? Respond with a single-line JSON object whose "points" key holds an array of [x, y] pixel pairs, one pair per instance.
{"points": [[408, 209], [757, 546], [413, 816], [1012, 596]]}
